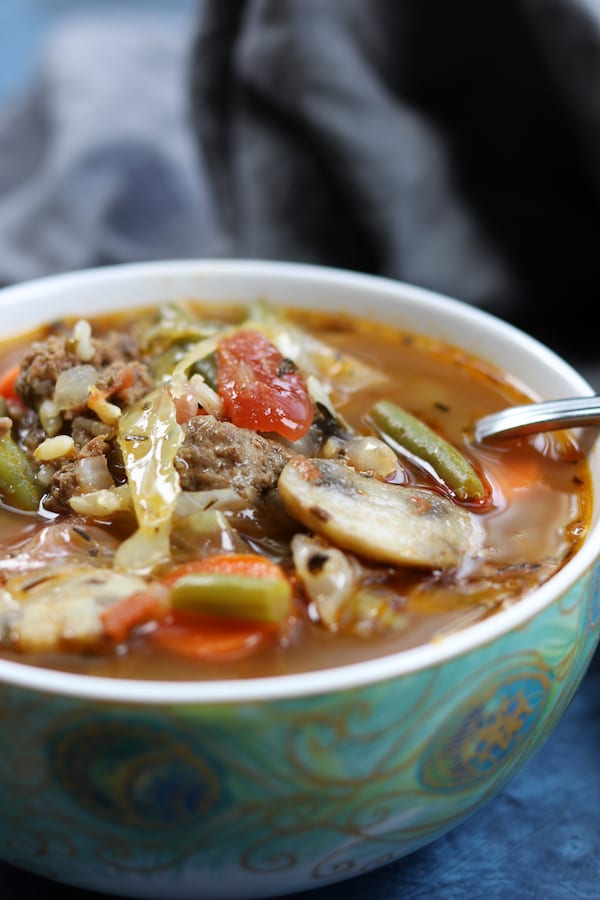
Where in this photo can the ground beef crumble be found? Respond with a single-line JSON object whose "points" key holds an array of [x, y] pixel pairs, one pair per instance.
{"points": [[217, 454], [45, 361]]}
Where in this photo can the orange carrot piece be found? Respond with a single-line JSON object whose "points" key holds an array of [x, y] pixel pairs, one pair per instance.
{"points": [[520, 472], [123, 380], [121, 617], [7, 382], [207, 639], [212, 638], [250, 565]]}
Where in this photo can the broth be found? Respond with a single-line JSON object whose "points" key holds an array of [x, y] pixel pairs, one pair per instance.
{"points": [[535, 512]]}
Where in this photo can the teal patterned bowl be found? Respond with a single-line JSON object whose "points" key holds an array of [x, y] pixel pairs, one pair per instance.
{"points": [[275, 785]]}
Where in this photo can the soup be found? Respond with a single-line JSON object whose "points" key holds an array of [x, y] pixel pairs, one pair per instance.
{"points": [[195, 493]]}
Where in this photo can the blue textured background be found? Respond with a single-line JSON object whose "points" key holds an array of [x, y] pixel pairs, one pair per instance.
{"points": [[25, 24]]}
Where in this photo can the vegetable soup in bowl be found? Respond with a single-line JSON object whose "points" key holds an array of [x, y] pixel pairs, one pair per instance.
{"points": [[269, 615]]}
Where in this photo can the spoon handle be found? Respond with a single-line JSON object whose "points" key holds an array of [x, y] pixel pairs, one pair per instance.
{"points": [[550, 415]]}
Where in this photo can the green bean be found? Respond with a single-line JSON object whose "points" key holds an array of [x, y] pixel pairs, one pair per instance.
{"points": [[417, 438], [208, 368], [259, 599], [18, 484]]}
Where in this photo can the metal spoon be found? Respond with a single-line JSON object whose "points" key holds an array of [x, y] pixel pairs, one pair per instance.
{"points": [[550, 415]]}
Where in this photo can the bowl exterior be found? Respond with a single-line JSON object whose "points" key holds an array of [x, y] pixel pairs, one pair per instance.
{"points": [[267, 798]]}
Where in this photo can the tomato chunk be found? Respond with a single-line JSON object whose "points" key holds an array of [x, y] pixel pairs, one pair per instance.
{"points": [[122, 617], [261, 390]]}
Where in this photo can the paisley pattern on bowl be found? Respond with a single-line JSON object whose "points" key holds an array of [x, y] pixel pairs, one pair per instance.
{"points": [[134, 774], [488, 726]]}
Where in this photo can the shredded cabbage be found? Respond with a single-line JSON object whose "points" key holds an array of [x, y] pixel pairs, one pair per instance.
{"points": [[149, 438], [177, 322], [341, 372]]}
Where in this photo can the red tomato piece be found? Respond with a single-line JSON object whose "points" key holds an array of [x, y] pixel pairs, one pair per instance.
{"points": [[122, 617], [260, 389]]}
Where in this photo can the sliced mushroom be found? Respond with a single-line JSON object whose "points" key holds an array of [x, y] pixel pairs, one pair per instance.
{"points": [[399, 524]]}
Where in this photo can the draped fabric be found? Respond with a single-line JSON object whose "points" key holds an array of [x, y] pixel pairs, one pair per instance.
{"points": [[453, 145]]}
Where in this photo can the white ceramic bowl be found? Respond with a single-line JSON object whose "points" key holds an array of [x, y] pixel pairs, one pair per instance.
{"points": [[261, 787]]}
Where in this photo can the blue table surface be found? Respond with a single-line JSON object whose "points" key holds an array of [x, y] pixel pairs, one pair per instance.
{"points": [[540, 838]]}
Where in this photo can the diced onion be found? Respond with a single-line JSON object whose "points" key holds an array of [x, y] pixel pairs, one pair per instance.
{"points": [[45, 473], [206, 397], [73, 386], [65, 603], [93, 474], [327, 575], [190, 502], [369, 454], [50, 417], [186, 407]]}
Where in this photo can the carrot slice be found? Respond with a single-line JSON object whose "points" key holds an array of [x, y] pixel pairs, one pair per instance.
{"points": [[202, 636], [121, 617], [210, 640], [122, 381], [250, 565], [520, 472], [7, 382]]}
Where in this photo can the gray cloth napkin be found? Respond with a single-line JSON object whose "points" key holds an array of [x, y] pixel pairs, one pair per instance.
{"points": [[97, 161], [453, 145]]}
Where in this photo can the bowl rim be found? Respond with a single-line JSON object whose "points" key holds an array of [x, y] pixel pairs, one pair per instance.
{"points": [[323, 681]]}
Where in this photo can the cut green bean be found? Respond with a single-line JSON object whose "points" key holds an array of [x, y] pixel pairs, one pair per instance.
{"points": [[418, 439], [259, 599], [208, 368], [18, 484]]}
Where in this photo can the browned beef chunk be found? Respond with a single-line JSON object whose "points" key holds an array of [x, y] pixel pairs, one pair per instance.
{"points": [[126, 382], [217, 454], [115, 347], [41, 367], [85, 427], [28, 428]]}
